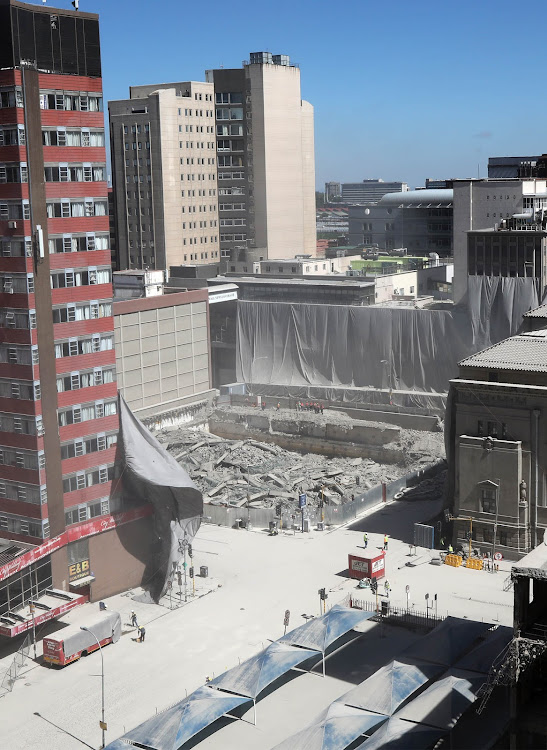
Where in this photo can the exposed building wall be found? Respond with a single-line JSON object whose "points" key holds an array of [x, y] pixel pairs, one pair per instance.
{"points": [[163, 351], [308, 178], [118, 558]]}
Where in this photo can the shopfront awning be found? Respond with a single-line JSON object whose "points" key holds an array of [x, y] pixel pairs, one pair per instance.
{"points": [[82, 582], [51, 604]]}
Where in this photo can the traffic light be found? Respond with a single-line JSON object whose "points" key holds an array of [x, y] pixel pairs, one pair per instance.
{"points": [[322, 594], [179, 576], [373, 585], [190, 551], [191, 572]]}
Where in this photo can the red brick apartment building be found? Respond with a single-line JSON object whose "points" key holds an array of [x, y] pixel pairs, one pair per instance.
{"points": [[58, 391]]}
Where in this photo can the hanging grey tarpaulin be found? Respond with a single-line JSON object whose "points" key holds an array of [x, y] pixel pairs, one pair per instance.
{"points": [[347, 348], [151, 475]]}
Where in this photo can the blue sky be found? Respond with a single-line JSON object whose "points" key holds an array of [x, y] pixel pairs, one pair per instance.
{"points": [[401, 90]]}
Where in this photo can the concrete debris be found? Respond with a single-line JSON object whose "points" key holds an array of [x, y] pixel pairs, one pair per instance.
{"points": [[237, 472]]}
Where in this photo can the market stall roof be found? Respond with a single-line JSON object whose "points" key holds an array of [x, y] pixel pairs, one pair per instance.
{"points": [[442, 704], [385, 690], [172, 728], [481, 658], [256, 673], [398, 734], [320, 632], [334, 729], [446, 644]]}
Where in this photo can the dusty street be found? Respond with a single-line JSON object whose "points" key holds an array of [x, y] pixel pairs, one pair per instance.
{"points": [[253, 580]]}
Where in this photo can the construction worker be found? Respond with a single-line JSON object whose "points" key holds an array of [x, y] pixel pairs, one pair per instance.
{"points": [[365, 539], [134, 622], [450, 549], [386, 539]]}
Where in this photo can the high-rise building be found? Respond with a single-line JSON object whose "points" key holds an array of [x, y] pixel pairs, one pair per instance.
{"points": [[164, 175], [332, 190], [58, 393], [369, 191], [266, 166]]}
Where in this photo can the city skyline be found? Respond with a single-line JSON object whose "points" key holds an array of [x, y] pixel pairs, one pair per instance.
{"points": [[438, 82]]}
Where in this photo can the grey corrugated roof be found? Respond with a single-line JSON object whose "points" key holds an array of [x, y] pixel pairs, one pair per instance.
{"points": [[526, 352], [538, 312]]}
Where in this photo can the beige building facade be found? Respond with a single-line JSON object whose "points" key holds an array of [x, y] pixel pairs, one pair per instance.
{"points": [[164, 167], [163, 353], [267, 170]]}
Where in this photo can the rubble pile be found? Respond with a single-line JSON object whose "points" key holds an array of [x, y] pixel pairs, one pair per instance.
{"points": [[237, 472]]}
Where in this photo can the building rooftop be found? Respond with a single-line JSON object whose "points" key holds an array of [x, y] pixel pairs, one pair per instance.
{"points": [[537, 312], [532, 565], [341, 280], [419, 198], [526, 352]]}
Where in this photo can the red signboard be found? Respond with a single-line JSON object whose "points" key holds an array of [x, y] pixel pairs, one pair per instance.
{"points": [[106, 523], [51, 614], [95, 526]]}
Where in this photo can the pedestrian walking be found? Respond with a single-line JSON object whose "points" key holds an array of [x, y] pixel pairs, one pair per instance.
{"points": [[386, 539], [263, 405], [142, 633], [321, 407], [278, 406], [387, 588], [365, 539], [134, 622]]}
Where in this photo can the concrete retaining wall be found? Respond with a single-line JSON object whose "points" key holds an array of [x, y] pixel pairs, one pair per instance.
{"points": [[307, 437]]}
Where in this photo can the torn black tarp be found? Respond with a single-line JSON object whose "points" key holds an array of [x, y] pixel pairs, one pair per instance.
{"points": [[151, 475]]}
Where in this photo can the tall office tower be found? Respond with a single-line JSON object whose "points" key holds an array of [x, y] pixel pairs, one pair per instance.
{"points": [[266, 166], [58, 407], [164, 173]]}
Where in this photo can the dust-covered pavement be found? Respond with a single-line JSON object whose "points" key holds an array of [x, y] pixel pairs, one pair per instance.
{"points": [[260, 577]]}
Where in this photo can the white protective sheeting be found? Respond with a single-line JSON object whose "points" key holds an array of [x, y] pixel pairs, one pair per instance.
{"points": [[341, 346], [170, 729], [389, 687], [152, 475], [334, 729], [256, 673], [320, 632]]}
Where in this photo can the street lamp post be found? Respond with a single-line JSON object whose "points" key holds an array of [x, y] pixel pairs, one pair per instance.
{"points": [[103, 725]]}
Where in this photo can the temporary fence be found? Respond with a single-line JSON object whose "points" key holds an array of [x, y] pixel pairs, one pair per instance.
{"points": [[399, 615], [331, 515], [15, 667]]}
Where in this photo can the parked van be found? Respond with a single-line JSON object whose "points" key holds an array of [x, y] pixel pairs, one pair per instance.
{"points": [[71, 643]]}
